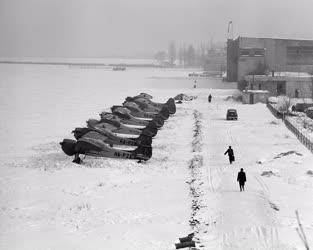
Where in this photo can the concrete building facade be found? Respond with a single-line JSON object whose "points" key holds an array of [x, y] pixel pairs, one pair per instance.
{"points": [[254, 96], [292, 84], [248, 56]]}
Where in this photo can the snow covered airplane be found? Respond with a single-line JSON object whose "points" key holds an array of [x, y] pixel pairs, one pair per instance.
{"points": [[145, 103], [118, 122], [138, 117], [95, 147], [138, 112], [111, 139], [127, 117], [105, 126]]}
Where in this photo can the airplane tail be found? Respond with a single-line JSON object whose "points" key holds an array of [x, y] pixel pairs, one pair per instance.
{"points": [[144, 140], [153, 126], [165, 113], [158, 121], [129, 99], [171, 105], [143, 153], [149, 131], [79, 132]]}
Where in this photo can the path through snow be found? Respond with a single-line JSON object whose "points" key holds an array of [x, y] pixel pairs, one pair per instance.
{"points": [[250, 219]]}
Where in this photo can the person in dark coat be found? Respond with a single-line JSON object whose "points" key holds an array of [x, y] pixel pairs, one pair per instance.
{"points": [[241, 178], [230, 153], [209, 97], [195, 84]]}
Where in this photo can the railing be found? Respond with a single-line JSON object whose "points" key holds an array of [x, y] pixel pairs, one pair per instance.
{"points": [[297, 130], [301, 135], [274, 111]]}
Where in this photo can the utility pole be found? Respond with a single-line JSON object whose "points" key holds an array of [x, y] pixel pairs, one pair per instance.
{"points": [[230, 31]]}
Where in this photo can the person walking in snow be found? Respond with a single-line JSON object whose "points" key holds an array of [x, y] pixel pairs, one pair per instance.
{"points": [[241, 178], [209, 98], [230, 153]]}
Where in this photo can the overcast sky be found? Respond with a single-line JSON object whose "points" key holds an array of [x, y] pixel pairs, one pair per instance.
{"points": [[96, 28]]}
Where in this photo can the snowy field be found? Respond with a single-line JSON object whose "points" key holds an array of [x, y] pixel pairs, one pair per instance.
{"points": [[47, 202]]}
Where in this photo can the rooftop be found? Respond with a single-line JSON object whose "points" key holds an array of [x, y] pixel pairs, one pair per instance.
{"points": [[256, 91], [281, 76], [275, 38]]}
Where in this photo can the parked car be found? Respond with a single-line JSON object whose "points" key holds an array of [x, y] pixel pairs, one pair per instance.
{"points": [[301, 107], [309, 112], [231, 114], [119, 68]]}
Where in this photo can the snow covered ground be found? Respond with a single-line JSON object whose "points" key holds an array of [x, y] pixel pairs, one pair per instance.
{"points": [[47, 202]]}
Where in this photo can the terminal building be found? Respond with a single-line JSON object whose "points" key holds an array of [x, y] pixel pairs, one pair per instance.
{"points": [[292, 84], [263, 56]]}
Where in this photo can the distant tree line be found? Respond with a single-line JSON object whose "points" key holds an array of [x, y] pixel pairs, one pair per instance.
{"points": [[186, 55]]}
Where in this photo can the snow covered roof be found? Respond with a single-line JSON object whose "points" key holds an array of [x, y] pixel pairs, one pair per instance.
{"points": [[256, 91], [291, 74], [281, 76]]}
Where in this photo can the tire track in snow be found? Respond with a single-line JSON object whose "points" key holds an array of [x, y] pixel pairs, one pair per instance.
{"points": [[265, 192]]}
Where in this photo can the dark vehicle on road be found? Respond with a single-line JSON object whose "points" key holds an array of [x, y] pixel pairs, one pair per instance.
{"points": [[231, 114], [309, 112], [301, 107]]}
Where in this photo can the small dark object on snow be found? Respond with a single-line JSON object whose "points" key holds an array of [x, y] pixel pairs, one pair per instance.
{"points": [[186, 239], [210, 98], [309, 172], [268, 173], [287, 153], [274, 206], [185, 244]]}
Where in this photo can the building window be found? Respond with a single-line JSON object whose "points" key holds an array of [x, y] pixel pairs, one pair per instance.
{"points": [[258, 52], [260, 87], [245, 52]]}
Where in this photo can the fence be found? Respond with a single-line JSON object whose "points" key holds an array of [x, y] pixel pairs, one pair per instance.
{"points": [[297, 130], [274, 111], [302, 137]]}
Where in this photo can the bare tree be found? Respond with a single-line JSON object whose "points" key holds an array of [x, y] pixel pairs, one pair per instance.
{"points": [[181, 55], [283, 104], [202, 54], [160, 56], [172, 52], [191, 56]]}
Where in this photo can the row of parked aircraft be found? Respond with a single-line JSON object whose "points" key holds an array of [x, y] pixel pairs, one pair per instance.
{"points": [[134, 124]]}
